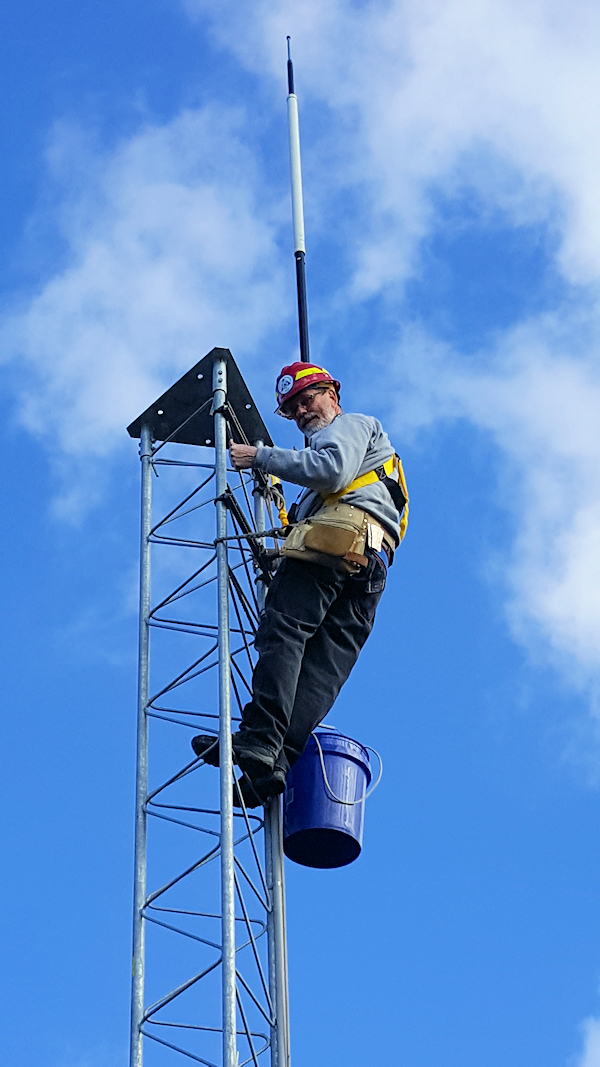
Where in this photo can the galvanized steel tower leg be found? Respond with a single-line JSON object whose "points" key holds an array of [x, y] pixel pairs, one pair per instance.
{"points": [[276, 929], [137, 992], [230, 1057], [278, 970]]}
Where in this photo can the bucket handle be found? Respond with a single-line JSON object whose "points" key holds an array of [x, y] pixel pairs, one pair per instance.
{"points": [[338, 800]]}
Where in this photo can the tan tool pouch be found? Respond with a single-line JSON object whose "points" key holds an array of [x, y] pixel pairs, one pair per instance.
{"points": [[337, 536]]}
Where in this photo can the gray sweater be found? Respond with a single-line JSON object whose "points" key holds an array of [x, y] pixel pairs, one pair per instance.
{"points": [[350, 446]]}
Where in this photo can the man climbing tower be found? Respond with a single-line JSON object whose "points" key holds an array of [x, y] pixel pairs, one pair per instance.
{"points": [[320, 607]]}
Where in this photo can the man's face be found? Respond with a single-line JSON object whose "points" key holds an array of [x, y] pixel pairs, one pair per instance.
{"points": [[313, 409]]}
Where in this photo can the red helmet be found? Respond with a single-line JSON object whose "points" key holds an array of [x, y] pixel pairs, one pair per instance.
{"points": [[299, 376]]}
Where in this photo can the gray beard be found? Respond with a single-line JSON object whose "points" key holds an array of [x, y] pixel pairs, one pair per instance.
{"points": [[315, 426]]}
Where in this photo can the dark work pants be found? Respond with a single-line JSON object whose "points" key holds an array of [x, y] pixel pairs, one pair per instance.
{"points": [[315, 623]]}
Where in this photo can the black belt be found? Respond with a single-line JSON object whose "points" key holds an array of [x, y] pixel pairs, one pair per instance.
{"points": [[387, 553]]}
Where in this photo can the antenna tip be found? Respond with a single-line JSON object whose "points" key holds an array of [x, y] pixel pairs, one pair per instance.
{"points": [[288, 39]]}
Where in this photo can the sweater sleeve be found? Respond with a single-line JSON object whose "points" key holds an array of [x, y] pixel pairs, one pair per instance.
{"points": [[332, 461]]}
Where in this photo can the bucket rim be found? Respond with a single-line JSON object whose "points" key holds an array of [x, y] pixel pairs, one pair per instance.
{"points": [[359, 756], [334, 735]]}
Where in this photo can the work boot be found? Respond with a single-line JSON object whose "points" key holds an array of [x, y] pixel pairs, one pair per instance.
{"points": [[254, 766], [256, 763], [275, 783], [207, 746], [246, 791], [259, 790]]}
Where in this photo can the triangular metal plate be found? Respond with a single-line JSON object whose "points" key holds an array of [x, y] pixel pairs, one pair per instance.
{"points": [[175, 414]]}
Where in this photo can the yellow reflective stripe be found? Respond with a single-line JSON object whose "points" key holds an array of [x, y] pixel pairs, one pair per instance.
{"points": [[402, 480], [365, 479], [311, 370], [368, 479], [358, 483]]}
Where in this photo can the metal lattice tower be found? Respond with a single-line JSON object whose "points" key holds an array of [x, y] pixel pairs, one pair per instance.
{"points": [[210, 968]]}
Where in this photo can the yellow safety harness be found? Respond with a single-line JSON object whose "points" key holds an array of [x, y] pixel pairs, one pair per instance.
{"points": [[392, 476], [279, 499]]}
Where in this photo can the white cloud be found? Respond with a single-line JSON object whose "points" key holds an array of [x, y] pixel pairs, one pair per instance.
{"points": [[169, 250], [166, 255], [590, 1057], [419, 85], [498, 98], [543, 409], [538, 396]]}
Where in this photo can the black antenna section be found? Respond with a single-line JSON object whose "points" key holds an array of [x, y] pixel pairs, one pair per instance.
{"points": [[290, 68], [297, 210]]}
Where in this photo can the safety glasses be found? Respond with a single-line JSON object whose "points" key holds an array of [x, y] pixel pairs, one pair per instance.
{"points": [[305, 399]]}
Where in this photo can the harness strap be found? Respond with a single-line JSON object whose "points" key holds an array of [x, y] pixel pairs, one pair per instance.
{"points": [[395, 486]]}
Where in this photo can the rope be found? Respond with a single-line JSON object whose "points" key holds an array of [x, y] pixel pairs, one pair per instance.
{"points": [[338, 800], [277, 531]]}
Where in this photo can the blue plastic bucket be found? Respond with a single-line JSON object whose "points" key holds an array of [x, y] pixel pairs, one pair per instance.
{"points": [[318, 831]]}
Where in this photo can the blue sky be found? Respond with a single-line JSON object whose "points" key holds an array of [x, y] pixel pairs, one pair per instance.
{"points": [[450, 158]]}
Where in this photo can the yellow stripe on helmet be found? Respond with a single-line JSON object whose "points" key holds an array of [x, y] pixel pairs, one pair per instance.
{"points": [[311, 370]]}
